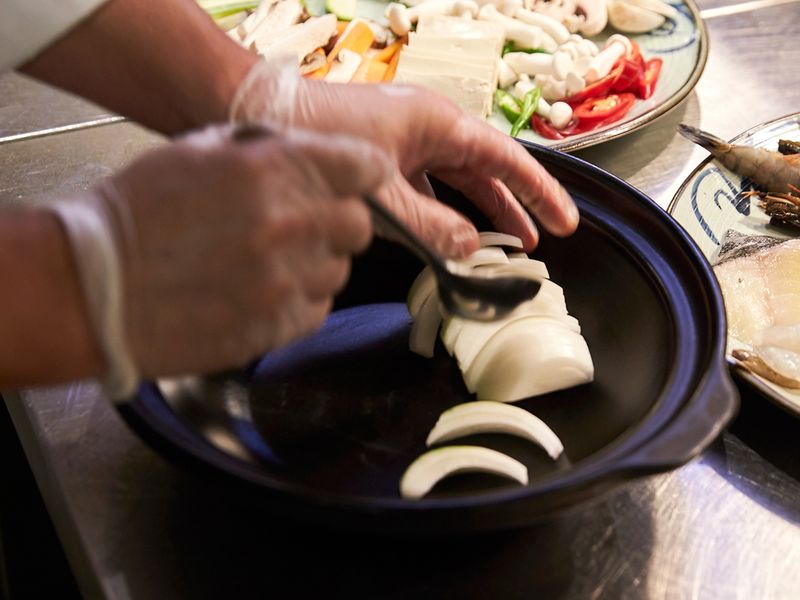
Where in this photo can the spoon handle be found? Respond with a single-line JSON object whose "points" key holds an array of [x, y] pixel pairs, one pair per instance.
{"points": [[386, 220]]}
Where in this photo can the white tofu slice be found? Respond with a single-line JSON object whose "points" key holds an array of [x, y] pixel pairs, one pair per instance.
{"points": [[473, 95]]}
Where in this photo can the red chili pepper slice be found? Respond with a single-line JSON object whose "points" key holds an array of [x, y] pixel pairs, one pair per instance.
{"points": [[631, 76], [544, 129], [601, 87], [647, 83], [603, 110]]}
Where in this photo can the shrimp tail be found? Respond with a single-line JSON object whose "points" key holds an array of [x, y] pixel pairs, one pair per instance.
{"points": [[710, 142]]}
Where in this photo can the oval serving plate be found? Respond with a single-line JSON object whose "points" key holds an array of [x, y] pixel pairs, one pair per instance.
{"points": [[711, 201], [683, 46], [330, 423]]}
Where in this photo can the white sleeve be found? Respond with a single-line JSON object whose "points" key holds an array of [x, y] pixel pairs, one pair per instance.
{"points": [[29, 26]]}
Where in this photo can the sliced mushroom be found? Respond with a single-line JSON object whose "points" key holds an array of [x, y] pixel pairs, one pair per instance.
{"points": [[630, 18], [304, 38]]}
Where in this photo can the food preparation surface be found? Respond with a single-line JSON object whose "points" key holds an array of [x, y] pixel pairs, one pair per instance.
{"points": [[134, 526]]}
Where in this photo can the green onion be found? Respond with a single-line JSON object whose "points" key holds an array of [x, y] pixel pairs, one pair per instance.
{"points": [[223, 8], [529, 103]]}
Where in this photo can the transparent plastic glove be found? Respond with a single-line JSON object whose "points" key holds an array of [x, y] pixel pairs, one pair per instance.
{"points": [[226, 250], [424, 133]]}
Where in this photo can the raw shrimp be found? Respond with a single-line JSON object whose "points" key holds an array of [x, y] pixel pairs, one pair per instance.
{"points": [[772, 170]]}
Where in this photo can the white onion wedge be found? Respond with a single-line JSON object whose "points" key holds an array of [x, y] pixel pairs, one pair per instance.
{"points": [[528, 358], [490, 255], [433, 466], [474, 335], [518, 267], [495, 238], [424, 285], [494, 417], [422, 338]]}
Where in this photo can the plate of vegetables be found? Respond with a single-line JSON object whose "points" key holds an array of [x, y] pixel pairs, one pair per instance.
{"points": [[742, 207], [560, 73], [397, 418]]}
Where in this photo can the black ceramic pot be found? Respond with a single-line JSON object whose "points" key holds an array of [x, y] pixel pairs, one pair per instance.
{"points": [[335, 419]]}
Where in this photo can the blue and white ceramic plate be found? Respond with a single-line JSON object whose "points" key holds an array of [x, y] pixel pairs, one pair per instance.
{"points": [[712, 200]]}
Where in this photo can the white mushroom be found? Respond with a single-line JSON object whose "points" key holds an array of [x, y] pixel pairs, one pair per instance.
{"points": [[575, 83], [401, 18], [549, 25], [560, 115], [657, 6], [466, 9], [506, 75], [595, 16], [344, 67], [616, 47], [552, 89], [522, 87], [530, 64], [562, 64], [523, 35]]}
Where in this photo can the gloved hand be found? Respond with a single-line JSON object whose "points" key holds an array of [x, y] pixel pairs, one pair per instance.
{"points": [[422, 132], [224, 250]]}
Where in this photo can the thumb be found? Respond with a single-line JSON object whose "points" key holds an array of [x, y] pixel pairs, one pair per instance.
{"points": [[447, 231]]}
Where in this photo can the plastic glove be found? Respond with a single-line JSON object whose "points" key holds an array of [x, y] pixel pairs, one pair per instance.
{"points": [[224, 249], [424, 133]]}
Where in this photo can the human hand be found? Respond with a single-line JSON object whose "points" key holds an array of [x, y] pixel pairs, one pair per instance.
{"points": [[229, 249], [423, 133]]}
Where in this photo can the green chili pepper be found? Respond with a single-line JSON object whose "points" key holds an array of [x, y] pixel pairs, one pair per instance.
{"points": [[529, 103], [508, 104]]}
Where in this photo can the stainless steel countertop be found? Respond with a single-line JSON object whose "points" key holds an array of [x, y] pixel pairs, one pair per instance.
{"points": [[134, 526]]}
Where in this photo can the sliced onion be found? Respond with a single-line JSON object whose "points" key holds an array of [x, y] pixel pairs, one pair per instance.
{"points": [[517, 256], [433, 466], [474, 335], [527, 358], [495, 238], [494, 417], [450, 332], [517, 267], [424, 285], [484, 256], [422, 338]]}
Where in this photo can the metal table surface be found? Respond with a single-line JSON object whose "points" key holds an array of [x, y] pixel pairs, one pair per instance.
{"points": [[135, 526]]}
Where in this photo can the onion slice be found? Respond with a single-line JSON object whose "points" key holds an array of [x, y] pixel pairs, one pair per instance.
{"points": [[495, 238], [529, 357], [424, 285], [422, 338], [433, 466], [484, 256], [494, 417]]}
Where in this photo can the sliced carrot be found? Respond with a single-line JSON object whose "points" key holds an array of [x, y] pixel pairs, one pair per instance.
{"points": [[341, 26], [370, 71], [389, 75], [387, 53], [358, 37]]}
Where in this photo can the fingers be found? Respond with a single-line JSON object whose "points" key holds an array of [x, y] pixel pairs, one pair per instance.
{"points": [[464, 143], [447, 231], [497, 202], [333, 164]]}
